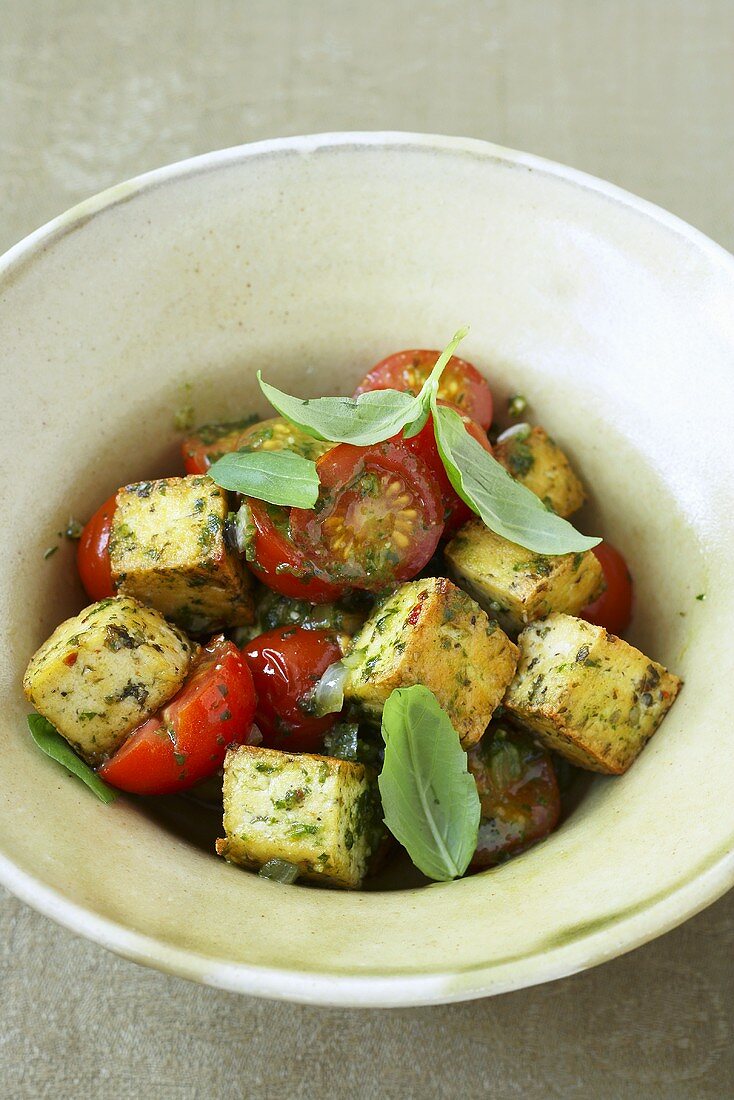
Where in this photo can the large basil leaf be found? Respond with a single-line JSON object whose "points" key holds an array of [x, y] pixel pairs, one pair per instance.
{"points": [[429, 798], [507, 507], [370, 418]]}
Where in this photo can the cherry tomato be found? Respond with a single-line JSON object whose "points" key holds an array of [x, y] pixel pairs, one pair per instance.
{"points": [[461, 384], [613, 609], [209, 443], [187, 741], [518, 792], [378, 519], [285, 664], [212, 441], [93, 555], [280, 564], [424, 446]]}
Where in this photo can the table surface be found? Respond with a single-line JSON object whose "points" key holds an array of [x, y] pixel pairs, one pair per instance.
{"points": [[637, 91]]}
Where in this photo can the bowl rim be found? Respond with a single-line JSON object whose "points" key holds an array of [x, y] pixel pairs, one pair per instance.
{"points": [[620, 932]]}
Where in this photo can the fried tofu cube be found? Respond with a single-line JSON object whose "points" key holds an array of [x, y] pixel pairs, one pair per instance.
{"points": [[168, 550], [322, 814], [588, 695], [430, 632], [532, 457], [105, 671], [513, 584]]}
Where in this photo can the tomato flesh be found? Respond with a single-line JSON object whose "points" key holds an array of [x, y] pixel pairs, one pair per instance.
{"points": [[275, 559], [461, 383], [188, 739], [378, 519], [424, 447], [518, 792], [613, 609], [286, 664], [93, 553]]}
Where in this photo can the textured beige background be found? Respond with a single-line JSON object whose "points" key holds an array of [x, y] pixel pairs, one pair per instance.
{"points": [[638, 91]]}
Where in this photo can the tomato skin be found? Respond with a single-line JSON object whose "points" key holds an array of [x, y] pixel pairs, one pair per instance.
{"points": [[613, 609], [188, 739], [518, 792], [285, 664], [93, 555], [378, 519], [280, 564], [461, 383], [424, 447]]}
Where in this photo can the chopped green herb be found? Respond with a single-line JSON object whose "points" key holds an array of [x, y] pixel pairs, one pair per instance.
{"points": [[74, 529], [516, 405]]}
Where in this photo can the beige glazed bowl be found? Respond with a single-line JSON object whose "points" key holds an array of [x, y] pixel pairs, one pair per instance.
{"points": [[312, 258]]}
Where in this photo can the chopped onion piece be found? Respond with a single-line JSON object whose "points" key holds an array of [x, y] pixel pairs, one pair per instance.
{"points": [[279, 870], [516, 429], [328, 695]]}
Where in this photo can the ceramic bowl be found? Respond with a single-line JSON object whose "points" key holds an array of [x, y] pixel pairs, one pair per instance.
{"points": [[312, 258]]}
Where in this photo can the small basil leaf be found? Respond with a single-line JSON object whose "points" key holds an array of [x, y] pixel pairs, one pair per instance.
{"points": [[507, 507], [364, 420], [279, 477], [50, 741], [429, 798]]}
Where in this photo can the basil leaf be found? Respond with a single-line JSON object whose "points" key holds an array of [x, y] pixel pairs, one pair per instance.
{"points": [[430, 800], [370, 418], [279, 477], [50, 741], [429, 389], [363, 420], [507, 507]]}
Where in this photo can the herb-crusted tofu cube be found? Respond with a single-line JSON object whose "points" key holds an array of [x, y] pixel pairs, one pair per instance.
{"points": [[430, 632], [531, 456], [322, 814], [513, 584], [106, 671], [168, 549], [587, 695]]}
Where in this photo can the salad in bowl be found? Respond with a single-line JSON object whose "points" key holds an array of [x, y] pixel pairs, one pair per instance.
{"points": [[358, 624]]}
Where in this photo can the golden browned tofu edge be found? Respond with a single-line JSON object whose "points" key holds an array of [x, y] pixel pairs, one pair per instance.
{"points": [[536, 460], [609, 745], [103, 672], [430, 632], [320, 813]]}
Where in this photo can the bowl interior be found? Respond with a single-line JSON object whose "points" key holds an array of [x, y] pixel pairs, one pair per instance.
{"points": [[311, 260]]}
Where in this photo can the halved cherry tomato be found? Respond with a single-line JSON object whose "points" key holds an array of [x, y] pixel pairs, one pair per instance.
{"points": [[461, 384], [280, 564], [424, 446], [518, 792], [285, 664], [187, 741], [378, 518], [613, 609], [93, 555]]}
